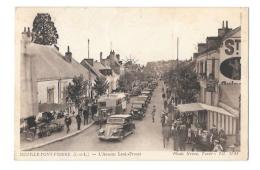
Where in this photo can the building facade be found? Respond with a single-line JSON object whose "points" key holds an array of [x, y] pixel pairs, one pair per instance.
{"points": [[46, 74], [219, 71]]}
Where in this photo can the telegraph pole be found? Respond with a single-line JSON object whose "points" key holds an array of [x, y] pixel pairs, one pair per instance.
{"points": [[88, 48]]}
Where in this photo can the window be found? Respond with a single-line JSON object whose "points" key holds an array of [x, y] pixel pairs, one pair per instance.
{"points": [[213, 68], [50, 95]]}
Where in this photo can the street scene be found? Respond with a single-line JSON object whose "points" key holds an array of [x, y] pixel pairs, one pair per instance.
{"points": [[138, 81]]}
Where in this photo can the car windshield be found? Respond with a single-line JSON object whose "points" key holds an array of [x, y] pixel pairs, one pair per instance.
{"points": [[115, 120]]}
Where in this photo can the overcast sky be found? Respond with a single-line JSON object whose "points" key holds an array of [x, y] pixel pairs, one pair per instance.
{"points": [[147, 34]]}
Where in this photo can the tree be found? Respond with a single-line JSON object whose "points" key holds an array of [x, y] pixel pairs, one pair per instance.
{"points": [[100, 86], [183, 80], [77, 90], [44, 29]]}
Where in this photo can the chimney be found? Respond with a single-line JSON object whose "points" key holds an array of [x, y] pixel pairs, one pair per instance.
{"points": [[26, 36], [212, 42], [202, 47], [118, 57], [90, 61], [68, 55], [100, 56], [222, 31], [226, 24]]}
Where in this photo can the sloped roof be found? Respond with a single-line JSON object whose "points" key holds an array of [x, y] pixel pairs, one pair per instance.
{"points": [[232, 32], [98, 65], [50, 64], [93, 69]]}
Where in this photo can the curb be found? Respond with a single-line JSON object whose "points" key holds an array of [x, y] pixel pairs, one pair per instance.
{"points": [[58, 139]]}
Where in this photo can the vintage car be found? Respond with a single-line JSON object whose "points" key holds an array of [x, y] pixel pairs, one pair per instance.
{"points": [[138, 110], [46, 129], [117, 127]]}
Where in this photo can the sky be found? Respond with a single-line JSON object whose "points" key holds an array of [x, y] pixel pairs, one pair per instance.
{"points": [[145, 34]]}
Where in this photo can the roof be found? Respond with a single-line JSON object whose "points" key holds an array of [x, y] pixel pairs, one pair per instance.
{"points": [[120, 116], [232, 32], [99, 66], [51, 65], [191, 107], [91, 68]]}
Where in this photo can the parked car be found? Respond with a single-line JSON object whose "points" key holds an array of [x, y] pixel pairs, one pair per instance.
{"points": [[46, 129], [138, 110], [117, 127]]}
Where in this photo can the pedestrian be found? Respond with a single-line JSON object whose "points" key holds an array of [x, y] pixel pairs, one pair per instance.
{"points": [[166, 131], [153, 113], [175, 137], [217, 146], [78, 119], [189, 136], [93, 110], [182, 137], [67, 122], [85, 116]]}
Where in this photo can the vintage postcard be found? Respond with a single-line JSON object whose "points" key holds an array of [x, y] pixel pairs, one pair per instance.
{"points": [[131, 83]]}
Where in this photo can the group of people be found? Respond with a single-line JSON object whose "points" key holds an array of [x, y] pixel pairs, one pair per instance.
{"points": [[84, 111], [183, 132]]}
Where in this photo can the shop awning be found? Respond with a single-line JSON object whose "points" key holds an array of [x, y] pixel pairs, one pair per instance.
{"points": [[193, 107]]}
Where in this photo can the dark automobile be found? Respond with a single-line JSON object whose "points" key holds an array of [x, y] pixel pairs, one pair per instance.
{"points": [[138, 110], [117, 127], [46, 129]]}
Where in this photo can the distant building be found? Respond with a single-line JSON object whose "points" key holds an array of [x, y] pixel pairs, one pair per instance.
{"points": [[102, 69]]}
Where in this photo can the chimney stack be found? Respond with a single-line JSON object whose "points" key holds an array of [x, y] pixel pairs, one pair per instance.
{"points": [[100, 56], [223, 24], [226, 24], [68, 55]]}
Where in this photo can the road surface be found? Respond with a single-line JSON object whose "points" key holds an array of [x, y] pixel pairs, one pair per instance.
{"points": [[147, 136]]}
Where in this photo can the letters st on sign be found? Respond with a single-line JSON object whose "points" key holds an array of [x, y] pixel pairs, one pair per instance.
{"points": [[231, 66]]}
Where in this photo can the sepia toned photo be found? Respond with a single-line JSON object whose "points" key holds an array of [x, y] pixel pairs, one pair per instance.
{"points": [[131, 83]]}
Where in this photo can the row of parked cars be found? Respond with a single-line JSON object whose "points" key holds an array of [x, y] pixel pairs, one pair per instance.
{"points": [[118, 126]]}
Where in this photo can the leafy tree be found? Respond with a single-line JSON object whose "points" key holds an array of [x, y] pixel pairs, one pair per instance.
{"points": [[44, 29], [183, 80], [100, 86], [77, 89]]}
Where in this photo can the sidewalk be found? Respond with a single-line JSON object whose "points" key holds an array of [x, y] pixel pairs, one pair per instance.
{"points": [[55, 137]]}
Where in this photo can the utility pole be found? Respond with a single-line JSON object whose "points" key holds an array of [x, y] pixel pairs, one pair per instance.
{"points": [[88, 48]]}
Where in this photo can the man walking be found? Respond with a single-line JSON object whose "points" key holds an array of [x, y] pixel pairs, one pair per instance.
{"points": [[78, 119], [68, 122], [153, 112]]}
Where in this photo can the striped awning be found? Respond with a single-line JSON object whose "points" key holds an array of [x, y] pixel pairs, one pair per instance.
{"points": [[193, 107]]}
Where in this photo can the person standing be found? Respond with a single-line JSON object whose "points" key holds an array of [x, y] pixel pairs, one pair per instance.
{"points": [[153, 113], [166, 131], [175, 137], [67, 122], [85, 116], [78, 119]]}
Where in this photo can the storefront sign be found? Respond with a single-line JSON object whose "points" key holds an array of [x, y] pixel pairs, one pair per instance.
{"points": [[230, 66]]}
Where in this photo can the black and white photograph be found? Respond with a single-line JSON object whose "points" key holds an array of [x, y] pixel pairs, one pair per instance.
{"points": [[137, 83]]}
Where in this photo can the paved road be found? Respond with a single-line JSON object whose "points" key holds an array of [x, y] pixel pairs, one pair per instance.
{"points": [[147, 136]]}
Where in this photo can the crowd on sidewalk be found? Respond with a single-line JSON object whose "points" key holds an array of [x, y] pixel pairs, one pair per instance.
{"points": [[182, 130]]}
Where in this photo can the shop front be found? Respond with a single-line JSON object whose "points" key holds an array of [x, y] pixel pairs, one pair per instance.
{"points": [[206, 117]]}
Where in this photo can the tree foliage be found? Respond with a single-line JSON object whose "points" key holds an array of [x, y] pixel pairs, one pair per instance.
{"points": [[183, 80], [100, 86], [77, 89], [44, 29]]}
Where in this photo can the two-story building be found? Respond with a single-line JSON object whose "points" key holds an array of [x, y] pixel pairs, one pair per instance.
{"points": [[219, 71]]}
